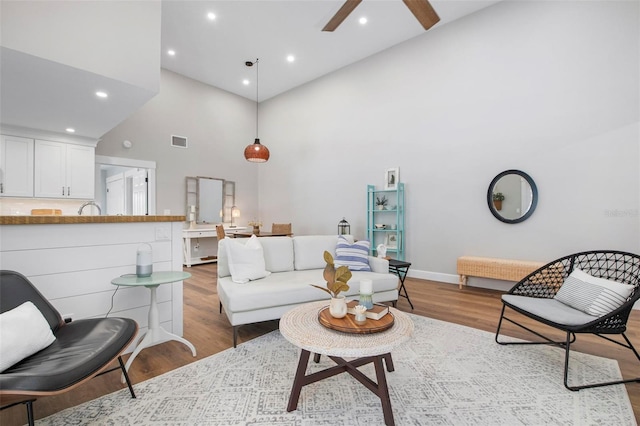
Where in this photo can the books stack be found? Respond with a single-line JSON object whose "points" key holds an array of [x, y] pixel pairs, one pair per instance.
{"points": [[378, 311]]}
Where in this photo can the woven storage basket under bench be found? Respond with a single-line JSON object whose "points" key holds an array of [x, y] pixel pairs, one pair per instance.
{"points": [[500, 269]]}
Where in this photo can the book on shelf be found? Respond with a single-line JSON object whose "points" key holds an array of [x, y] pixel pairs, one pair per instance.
{"points": [[378, 311]]}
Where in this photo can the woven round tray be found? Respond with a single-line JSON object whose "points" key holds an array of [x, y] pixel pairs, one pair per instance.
{"points": [[347, 324]]}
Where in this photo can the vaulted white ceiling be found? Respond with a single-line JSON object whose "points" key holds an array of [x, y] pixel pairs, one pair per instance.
{"points": [[215, 51]]}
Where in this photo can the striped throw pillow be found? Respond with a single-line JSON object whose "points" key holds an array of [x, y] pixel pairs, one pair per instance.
{"points": [[354, 256], [592, 295]]}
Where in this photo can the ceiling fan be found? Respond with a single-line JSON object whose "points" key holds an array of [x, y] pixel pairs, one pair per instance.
{"points": [[421, 9]]}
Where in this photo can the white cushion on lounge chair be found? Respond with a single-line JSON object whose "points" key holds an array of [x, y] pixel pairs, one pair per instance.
{"points": [[549, 309]]}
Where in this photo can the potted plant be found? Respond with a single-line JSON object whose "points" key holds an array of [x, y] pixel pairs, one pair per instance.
{"points": [[336, 283], [381, 202], [498, 197], [256, 226]]}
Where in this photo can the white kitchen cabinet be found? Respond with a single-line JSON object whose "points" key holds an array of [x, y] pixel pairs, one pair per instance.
{"points": [[16, 167], [63, 170]]}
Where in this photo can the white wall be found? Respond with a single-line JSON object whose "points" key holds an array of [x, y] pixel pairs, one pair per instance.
{"points": [[218, 125], [551, 88]]}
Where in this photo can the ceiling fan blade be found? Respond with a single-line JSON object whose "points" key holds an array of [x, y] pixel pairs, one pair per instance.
{"points": [[423, 11], [341, 15]]}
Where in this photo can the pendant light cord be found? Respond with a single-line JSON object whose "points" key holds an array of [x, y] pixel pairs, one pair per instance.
{"points": [[257, 79]]}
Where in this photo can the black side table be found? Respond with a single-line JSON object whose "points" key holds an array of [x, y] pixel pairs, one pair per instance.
{"points": [[401, 268]]}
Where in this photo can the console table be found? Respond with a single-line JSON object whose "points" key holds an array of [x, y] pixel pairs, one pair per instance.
{"points": [[189, 234]]}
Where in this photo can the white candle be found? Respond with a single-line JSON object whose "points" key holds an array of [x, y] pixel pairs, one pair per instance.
{"points": [[366, 286], [192, 217], [193, 209]]}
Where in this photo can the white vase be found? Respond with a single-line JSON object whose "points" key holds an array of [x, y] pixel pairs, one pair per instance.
{"points": [[338, 307]]}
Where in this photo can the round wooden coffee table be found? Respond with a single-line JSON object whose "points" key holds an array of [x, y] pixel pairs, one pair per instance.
{"points": [[301, 327]]}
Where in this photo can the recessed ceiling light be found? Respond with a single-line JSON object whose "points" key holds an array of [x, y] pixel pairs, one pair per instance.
{"points": [[245, 82], [362, 20], [70, 130], [171, 52], [101, 94], [291, 58], [211, 16]]}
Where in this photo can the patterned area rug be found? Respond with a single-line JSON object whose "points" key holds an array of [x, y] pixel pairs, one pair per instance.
{"points": [[446, 375]]}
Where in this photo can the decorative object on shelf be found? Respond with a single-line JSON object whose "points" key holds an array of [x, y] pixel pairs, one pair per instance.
{"points": [[380, 225], [336, 282], [256, 152], [381, 249], [144, 261], [391, 241], [391, 178], [235, 213], [343, 227], [381, 202], [192, 216], [498, 198], [256, 224], [366, 293], [360, 316]]}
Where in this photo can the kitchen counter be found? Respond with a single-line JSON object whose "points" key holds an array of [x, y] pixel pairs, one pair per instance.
{"points": [[72, 260], [70, 220]]}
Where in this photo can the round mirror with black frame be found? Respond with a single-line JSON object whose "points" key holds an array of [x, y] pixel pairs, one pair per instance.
{"points": [[512, 196]]}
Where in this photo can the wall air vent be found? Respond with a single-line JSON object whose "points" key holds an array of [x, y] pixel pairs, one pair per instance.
{"points": [[179, 141]]}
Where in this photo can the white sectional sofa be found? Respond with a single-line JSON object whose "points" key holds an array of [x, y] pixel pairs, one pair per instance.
{"points": [[295, 263]]}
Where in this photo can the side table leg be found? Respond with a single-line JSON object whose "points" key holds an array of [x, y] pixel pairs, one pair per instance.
{"points": [[383, 391], [298, 382]]}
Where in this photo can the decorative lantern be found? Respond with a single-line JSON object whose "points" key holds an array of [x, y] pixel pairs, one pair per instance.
{"points": [[343, 227]]}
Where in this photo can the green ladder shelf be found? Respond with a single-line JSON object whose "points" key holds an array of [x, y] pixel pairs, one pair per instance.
{"points": [[391, 216]]}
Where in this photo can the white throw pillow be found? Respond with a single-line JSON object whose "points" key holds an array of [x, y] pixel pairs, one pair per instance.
{"points": [[23, 332], [592, 295], [246, 260]]}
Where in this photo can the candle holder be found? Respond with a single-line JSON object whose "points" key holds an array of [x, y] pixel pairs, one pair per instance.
{"points": [[366, 300], [366, 293]]}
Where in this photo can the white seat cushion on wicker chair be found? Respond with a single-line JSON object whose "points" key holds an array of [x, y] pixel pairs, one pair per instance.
{"points": [[549, 309]]}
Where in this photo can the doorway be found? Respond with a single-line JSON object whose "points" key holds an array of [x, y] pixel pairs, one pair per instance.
{"points": [[125, 186]]}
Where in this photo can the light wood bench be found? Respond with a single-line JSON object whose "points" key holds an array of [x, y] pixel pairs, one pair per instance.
{"points": [[501, 269]]}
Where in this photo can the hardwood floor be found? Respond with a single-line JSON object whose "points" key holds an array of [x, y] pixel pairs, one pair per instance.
{"points": [[210, 332]]}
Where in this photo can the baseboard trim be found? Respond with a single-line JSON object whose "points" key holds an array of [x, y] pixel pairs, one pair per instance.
{"points": [[434, 276]]}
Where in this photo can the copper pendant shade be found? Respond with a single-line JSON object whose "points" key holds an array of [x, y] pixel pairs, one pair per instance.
{"points": [[256, 152]]}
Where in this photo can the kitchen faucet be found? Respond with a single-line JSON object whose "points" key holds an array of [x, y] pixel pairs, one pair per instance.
{"points": [[90, 203]]}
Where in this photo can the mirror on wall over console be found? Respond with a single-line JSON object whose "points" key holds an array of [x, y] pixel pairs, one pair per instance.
{"points": [[212, 198], [512, 196]]}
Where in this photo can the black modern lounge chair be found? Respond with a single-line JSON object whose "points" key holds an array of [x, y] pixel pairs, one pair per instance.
{"points": [[534, 297], [83, 349]]}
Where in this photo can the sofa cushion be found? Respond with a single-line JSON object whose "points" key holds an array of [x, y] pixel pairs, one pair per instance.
{"points": [[294, 287], [354, 256], [592, 295], [246, 260], [308, 250], [278, 253]]}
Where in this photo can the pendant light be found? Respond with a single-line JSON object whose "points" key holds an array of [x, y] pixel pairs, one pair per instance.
{"points": [[256, 152]]}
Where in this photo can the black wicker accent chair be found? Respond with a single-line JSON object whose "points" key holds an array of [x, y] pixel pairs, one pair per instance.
{"points": [[83, 349], [534, 295]]}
